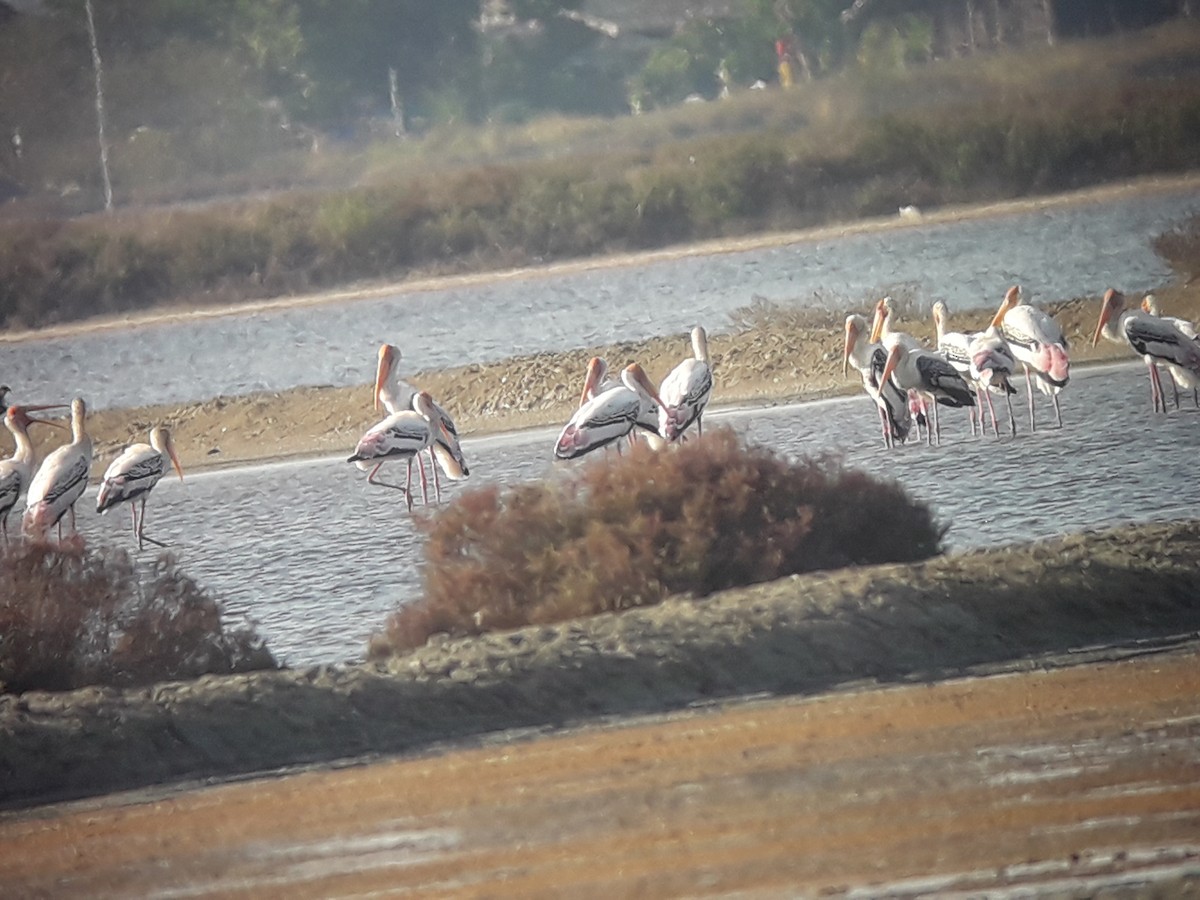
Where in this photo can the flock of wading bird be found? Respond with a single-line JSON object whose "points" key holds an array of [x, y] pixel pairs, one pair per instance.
{"points": [[906, 381]]}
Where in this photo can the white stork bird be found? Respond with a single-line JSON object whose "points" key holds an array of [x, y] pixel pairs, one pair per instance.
{"points": [[60, 480], [1039, 345], [685, 391], [402, 435], [17, 470], [395, 395], [929, 374], [608, 416], [869, 359], [133, 474], [1153, 339], [1188, 330]]}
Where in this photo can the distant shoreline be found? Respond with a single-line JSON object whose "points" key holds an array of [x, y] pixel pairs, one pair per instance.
{"points": [[420, 284]]}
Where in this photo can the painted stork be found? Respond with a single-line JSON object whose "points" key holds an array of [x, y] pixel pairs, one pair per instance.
{"points": [[395, 395], [402, 435], [1188, 330], [869, 359], [992, 368], [133, 474], [597, 381], [60, 480], [17, 471], [1039, 345], [685, 391], [607, 417], [883, 334], [955, 346], [929, 374], [1156, 341]]}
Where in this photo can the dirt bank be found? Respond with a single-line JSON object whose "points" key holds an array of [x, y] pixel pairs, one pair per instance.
{"points": [[801, 635]]}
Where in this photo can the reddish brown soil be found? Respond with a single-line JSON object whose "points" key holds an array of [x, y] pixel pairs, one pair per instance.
{"points": [[1059, 781]]}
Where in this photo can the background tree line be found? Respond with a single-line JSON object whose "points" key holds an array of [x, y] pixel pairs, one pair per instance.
{"points": [[232, 79]]}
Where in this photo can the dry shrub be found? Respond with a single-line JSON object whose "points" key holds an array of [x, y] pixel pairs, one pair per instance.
{"points": [[629, 531], [1180, 247], [69, 619]]}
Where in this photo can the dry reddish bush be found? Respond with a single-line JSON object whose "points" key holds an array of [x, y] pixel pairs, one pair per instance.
{"points": [[69, 619], [629, 531], [1180, 247]]}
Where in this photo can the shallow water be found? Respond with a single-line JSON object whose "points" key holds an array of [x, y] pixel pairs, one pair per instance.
{"points": [[318, 558], [1055, 252]]}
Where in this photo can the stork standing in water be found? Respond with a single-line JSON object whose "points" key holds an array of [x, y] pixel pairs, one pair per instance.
{"points": [[929, 374], [1039, 345], [1153, 339], [597, 381], [869, 359], [395, 395], [955, 346], [608, 416], [685, 391], [1188, 330], [133, 474], [883, 334], [992, 368], [402, 435], [17, 471], [60, 480]]}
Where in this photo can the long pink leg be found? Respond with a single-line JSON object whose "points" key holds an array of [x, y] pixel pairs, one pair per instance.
{"points": [[987, 398], [433, 467], [424, 483], [372, 479]]}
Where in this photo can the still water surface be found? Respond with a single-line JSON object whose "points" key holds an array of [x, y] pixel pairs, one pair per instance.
{"points": [[1056, 251], [318, 558]]}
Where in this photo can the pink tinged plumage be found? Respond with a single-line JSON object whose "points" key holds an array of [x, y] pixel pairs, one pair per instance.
{"points": [[608, 416], [402, 435], [394, 394], [1038, 343], [686, 390], [16, 472]]}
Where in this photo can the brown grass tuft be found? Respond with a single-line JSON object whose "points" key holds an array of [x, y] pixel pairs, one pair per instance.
{"points": [[629, 531], [69, 619]]}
